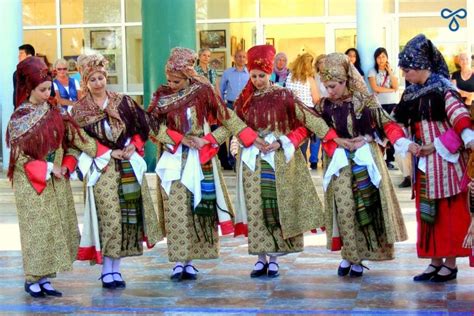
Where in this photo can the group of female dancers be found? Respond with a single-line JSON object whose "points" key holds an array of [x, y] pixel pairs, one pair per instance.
{"points": [[102, 141]]}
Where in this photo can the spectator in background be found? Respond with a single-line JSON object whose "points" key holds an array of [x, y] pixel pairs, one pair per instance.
{"points": [[302, 83], [318, 67], [67, 89], [24, 51], [280, 70], [73, 70], [232, 82], [354, 58], [204, 69], [463, 79], [384, 84]]}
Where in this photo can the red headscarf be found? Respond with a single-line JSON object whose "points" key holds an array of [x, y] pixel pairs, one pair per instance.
{"points": [[259, 57], [30, 72]]}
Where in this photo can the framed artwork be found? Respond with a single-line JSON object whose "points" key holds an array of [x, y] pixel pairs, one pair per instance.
{"points": [[112, 67], [103, 39], [112, 80], [218, 61], [212, 39], [242, 44], [233, 45], [270, 41]]}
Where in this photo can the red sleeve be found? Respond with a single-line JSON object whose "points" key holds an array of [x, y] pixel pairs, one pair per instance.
{"points": [[36, 170], [247, 136], [297, 136], [176, 138], [393, 131], [70, 162], [139, 144], [101, 149], [209, 150], [329, 145]]}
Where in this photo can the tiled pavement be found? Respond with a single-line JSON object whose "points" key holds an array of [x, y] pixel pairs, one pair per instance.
{"points": [[308, 283]]}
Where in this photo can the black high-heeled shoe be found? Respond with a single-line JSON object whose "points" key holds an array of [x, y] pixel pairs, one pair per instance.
{"points": [[119, 284], [177, 276], [107, 285], [189, 276], [52, 292], [31, 292], [273, 273], [258, 273], [443, 278], [427, 276]]}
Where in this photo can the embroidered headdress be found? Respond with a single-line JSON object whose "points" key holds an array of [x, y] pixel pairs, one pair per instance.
{"points": [[181, 62], [91, 64], [30, 72], [261, 57]]}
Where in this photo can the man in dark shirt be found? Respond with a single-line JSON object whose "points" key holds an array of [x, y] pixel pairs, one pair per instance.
{"points": [[24, 51]]}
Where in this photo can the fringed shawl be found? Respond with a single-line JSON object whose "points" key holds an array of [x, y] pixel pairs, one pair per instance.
{"points": [[273, 108], [124, 116], [170, 107], [34, 130]]}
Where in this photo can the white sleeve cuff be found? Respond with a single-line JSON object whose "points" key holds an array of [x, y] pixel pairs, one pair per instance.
{"points": [[444, 152], [288, 147], [49, 170], [401, 146], [102, 161], [467, 135]]}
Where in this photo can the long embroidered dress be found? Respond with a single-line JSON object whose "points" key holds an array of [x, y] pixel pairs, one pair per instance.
{"points": [[38, 135], [366, 220], [277, 207], [124, 224], [175, 115]]}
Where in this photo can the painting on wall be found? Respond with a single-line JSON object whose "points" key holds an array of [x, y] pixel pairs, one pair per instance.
{"points": [[218, 61], [212, 39], [103, 39], [270, 41], [112, 66]]}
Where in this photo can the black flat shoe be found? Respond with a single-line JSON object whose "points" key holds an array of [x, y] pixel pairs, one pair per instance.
{"points": [[119, 284], [357, 274], [405, 183], [107, 285], [32, 293], [343, 271], [443, 278], [177, 276], [427, 276], [50, 292], [258, 273], [272, 273], [189, 276]]}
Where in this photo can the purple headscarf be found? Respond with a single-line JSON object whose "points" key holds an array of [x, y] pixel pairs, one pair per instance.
{"points": [[283, 73]]}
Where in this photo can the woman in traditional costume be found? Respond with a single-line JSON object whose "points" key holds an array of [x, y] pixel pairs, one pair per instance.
{"points": [[439, 122], [41, 141], [276, 199], [119, 214], [180, 115], [362, 212]]}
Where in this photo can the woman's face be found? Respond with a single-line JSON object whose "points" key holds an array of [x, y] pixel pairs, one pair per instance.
{"points": [[260, 79], [176, 83], [97, 83], [352, 56], [464, 61], [281, 62], [381, 60], [204, 57], [61, 70], [335, 89], [320, 64], [415, 76], [41, 93]]}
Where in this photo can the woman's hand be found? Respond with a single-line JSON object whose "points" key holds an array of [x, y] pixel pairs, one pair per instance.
{"points": [[272, 147], [261, 144], [117, 154], [426, 150], [128, 151], [198, 143], [57, 172], [343, 142]]}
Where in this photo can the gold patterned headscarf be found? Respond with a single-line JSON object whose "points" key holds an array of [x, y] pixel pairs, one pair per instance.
{"points": [[90, 65], [337, 67]]}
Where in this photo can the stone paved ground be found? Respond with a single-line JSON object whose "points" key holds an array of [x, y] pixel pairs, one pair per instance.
{"points": [[308, 283]]}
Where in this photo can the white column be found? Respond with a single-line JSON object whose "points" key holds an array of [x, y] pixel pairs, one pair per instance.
{"points": [[11, 25], [369, 30]]}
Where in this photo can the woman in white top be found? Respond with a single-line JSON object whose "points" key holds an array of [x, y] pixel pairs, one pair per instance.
{"points": [[301, 81], [384, 83], [67, 89]]}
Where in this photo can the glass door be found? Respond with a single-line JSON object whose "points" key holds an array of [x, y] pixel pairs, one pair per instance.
{"points": [[340, 37]]}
